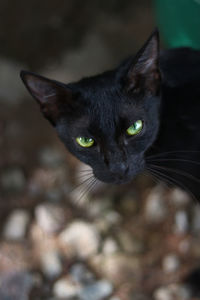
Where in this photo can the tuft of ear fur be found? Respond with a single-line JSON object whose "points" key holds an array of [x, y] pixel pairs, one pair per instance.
{"points": [[144, 73], [50, 95]]}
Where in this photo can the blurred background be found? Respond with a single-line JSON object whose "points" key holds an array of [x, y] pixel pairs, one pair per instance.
{"points": [[58, 240]]}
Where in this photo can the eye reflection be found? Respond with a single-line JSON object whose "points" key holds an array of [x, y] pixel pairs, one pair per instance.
{"points": [[135, 128]]}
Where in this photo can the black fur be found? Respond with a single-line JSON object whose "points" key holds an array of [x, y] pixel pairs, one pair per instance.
{"points": [[161, 89]]}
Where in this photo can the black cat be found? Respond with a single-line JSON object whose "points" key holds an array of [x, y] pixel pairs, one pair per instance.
{"points": [[143, 115]]}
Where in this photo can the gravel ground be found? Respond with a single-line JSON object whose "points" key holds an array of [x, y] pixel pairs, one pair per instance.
{"points": [[139, 241]]}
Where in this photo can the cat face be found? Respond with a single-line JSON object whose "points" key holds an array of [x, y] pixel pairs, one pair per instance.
{"points": [[107, 121]]}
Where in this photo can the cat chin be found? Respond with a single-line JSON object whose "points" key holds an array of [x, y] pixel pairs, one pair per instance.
{"points": [[116, 181], [111, 178], [123, 181]]}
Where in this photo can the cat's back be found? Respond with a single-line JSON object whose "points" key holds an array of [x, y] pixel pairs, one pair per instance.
{"points": [[180, 66]]}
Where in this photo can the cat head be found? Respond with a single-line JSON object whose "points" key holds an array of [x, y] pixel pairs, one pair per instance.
{"points": [[110, 120]]}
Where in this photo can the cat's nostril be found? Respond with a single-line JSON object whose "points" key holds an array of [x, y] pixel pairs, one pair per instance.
{"points": [[123, 167], [127, 170], [119, 169]]}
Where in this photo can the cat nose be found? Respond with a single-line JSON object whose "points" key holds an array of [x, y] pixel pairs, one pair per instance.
{"points": [[119, 168]]}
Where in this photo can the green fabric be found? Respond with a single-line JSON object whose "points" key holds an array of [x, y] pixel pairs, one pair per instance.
{"points": [[179, 22]]}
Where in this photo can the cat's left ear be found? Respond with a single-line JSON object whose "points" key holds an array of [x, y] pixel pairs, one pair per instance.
{"points": [[144, 73], [53, 97]]}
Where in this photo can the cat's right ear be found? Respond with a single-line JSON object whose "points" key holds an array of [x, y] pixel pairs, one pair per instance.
{"points": [[143, 73], [51, 95]]}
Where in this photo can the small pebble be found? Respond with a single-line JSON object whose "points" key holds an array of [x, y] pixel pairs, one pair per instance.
{"points": [[196, 219], [179, 197], [81, 239], [109, 246], [49, 217], [180, 291], [181, 222], [96, 291], [80, 273], [66, 288], [171, 292], [170, 263], [112, 218], [163, 293], [111, 266], [156, 209], [16, 225], [51, 264]]}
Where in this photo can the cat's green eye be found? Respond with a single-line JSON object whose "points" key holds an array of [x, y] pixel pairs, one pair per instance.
{"points": [[85, 142], [135, 128]]}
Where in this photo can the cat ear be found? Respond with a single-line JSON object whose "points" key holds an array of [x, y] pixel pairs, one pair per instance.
{"points": [[144, 74], [51, 95]]}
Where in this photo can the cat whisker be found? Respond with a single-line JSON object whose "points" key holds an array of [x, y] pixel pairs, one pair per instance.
{"points": [[163, 178], [85, 171], [173, 152], [92, 186], [80, 184], [157, 178], [174, 159], [172, 181], [79, 192], [88, 189], [179, 172], [83, 175]]}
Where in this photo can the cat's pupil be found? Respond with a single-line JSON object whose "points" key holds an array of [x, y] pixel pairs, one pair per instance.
{"points": [[86, 140]]}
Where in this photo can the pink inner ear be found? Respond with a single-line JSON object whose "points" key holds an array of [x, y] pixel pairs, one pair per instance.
{"points": [[148, 56], [40, 88], [149, 64], [50, 111], [53, 97], [144, 73]]}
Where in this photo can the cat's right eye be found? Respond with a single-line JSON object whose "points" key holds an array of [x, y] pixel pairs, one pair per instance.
{"points": [[135, 128], [85, 142]]}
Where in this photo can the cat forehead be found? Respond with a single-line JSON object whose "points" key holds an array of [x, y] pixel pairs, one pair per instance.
{"points": [[98, 82], [104, 102], [106, 117]]}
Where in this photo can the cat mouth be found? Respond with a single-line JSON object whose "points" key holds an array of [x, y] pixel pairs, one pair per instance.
{"points": [[122, 181], [115, 180]]}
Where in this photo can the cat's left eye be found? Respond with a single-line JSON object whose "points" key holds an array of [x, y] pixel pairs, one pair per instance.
{"points": [[85, 142], [135, 128]]}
